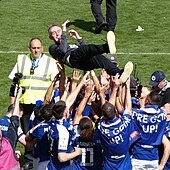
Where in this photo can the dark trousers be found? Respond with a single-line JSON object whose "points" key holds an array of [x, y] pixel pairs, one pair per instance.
{"points": [[28, 109], [89, 57], [111, 15]]}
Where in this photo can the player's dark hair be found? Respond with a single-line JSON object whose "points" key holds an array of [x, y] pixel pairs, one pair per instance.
{"points": [[58, 109], [108, 111], [46, 112], [86, 128], [154, 97]]}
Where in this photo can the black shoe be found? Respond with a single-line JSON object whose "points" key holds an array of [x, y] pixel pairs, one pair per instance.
{"points": [[100, 27]]}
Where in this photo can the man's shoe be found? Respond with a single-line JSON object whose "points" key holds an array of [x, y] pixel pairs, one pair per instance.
{"points": [[127, 72], [111, 42], [100, 27]]}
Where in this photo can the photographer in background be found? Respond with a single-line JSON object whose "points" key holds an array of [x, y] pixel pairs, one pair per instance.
{"points": [[37, 71], [158, 82], [135, 88]]}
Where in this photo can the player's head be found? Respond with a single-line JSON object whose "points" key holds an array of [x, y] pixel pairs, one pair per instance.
{"points": [[86, 128], [154, 98], [45, 112], [108, 111], [145, 91], [158, 79], [55, 32], [58, 109]]}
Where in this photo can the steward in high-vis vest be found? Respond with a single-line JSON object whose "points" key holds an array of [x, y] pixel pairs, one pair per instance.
{"points": [[35, 80], [38, 70]]}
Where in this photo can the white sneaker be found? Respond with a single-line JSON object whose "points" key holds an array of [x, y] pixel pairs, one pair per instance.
{"points": [[127, 72], [111, 42]]}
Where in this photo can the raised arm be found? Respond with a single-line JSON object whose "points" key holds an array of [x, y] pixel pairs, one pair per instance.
{"points": [[115, 83], [95, 80], [13, 128], [65, 94], [166, 153], [82, 105], [48, 95], [74, 80], [128, 100], [64, 28], [71, 98], [62, 79], [102, 91]]}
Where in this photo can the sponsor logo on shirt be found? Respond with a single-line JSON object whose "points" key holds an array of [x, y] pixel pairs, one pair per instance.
{"points": [[134, 134]]}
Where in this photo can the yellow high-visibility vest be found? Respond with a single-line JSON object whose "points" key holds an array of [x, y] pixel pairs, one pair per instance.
{"points": [[37, 84]]}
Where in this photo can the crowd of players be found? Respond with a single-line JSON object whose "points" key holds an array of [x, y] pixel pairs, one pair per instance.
{"points": [[95, 122]]}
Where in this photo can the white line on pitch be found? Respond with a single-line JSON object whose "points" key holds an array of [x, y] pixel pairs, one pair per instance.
{"points": [[121, 53]]}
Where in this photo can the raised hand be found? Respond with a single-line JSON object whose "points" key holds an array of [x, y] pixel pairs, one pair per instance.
{"points": [[75, 76], [74, 34], [85, 78], [115, 81], [64, 25]]}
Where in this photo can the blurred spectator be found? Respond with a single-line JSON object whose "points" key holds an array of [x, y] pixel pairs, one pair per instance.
{"points": [[111, 15], [8, 143]]}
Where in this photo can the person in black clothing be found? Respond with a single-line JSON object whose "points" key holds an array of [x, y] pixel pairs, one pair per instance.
{"points": [[83, 56], [111, 15], [159, 82]]}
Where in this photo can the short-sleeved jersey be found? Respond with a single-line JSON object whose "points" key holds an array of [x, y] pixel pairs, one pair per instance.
{"points": [[115, 138], [5, 123], [150, 122], [33, 121], [90, 159], [59, 136], [43, 144], [68, 123]]}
